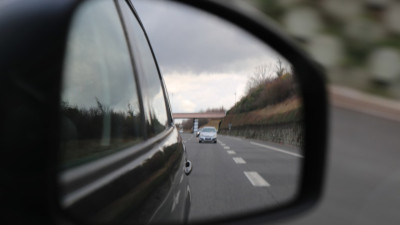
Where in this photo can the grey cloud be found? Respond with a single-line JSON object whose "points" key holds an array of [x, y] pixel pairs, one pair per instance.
{"points": [[186, 39]]}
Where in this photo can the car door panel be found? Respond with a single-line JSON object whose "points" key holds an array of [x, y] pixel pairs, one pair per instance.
{"points": [[105, 178]]}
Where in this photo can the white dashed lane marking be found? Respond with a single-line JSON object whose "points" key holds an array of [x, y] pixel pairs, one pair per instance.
{"points": [[175, 200], [256, 179], [231, 152], [239, 160], [180, 181], [227, 147]]}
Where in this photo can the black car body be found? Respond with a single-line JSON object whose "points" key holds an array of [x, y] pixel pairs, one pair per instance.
{"points": [[120, 159]]}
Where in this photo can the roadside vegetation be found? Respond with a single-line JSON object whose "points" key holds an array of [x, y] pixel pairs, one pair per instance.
{"points": [[84, 137], [285, 112], [271, 110], [271, 98]]}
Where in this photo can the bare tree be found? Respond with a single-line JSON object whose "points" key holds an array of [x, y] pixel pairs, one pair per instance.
{"points": [[262, 74], [130, 111], [280, 69]]}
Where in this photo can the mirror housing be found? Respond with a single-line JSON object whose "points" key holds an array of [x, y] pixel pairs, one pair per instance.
{"points": [[33, 48]]}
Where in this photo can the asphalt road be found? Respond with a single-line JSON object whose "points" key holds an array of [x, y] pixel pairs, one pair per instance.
{"points": [[362, 182], [363, 173], [237, 175]]}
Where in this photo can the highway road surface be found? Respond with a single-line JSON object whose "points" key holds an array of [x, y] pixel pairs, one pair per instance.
{"points": [[362, 184], [238, 175], [363, 173]]}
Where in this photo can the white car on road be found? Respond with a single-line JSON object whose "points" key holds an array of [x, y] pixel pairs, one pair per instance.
{"points": [[208, 134]]}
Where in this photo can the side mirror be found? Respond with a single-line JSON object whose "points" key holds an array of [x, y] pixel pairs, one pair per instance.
{"points": [[129, 163]]}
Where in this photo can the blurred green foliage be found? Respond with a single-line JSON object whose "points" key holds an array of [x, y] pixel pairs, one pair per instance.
{"points": [[361, 33]]}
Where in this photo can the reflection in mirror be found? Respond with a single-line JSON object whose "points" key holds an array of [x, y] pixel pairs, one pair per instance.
{"points": [[97, 118], [217, 75]]}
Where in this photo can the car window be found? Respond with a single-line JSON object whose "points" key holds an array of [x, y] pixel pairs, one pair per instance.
{"points": [[153, 93], [99, 102], [208, 130]]}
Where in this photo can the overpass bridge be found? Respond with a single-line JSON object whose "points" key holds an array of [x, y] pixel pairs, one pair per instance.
{"points": [[206, 115], [196, 116]]}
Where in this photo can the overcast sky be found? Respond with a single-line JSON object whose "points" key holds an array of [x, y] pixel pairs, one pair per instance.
{"points": [[203, 59]]}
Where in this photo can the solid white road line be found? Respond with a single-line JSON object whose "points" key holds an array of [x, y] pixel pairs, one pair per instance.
{"points": [[227, 147], [231, 152], [256, 179], [277, 149], [239, 160]]}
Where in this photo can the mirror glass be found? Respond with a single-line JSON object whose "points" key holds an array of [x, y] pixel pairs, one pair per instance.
{"points": [[235, 145], [219, 76]]}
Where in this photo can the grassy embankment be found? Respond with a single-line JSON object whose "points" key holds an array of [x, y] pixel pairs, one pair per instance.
{"points": [[287, 111], [269, 103], [284, 112], [212, 123]]}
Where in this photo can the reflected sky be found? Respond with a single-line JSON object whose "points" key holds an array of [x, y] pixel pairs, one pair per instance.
{"points": [[205, 61], [95, 70]]}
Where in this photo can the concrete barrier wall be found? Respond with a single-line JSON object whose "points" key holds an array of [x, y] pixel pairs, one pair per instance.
{"points": [[284, 133]]}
